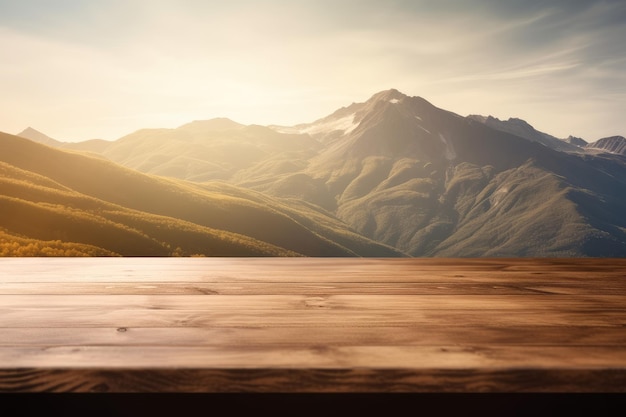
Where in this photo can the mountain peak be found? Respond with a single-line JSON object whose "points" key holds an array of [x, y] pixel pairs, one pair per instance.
{"points": [[612, 144], [36, 136], [392, 95], [519, 122], [523, 129], [29, 131], [216, 124], [576, 141]]}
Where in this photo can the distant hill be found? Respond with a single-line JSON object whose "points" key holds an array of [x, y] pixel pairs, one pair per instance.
{"points": [[97, 146], [37, 136], [92, 145], [205, 150]]}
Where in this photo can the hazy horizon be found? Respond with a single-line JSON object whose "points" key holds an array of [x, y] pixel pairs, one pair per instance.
{"points": [[83, 69]]}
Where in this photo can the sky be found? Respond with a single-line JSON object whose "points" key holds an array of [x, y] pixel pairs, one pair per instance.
{"points": [[77, 70]]}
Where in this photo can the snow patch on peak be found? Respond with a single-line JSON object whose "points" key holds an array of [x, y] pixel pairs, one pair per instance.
{"points": [[347, 124], [394, 101], [387, 95]]}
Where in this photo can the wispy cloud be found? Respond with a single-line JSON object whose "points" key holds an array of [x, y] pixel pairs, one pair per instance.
{"points": [[77, 65]]}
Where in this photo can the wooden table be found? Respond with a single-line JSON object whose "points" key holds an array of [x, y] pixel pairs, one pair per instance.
{"points": [[312, 325]]}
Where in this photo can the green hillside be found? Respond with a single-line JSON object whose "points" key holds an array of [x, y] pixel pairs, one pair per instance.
{"points": [[48, 194]]}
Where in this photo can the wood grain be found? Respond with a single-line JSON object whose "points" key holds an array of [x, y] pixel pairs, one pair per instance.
{"points": [[312, 325]]}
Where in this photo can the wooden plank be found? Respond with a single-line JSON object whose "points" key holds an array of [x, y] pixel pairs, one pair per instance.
{"points": [[605, 286], [312, 324], [306, 269], [316, 357], [537, 302], [312, 318], [424, 334]]}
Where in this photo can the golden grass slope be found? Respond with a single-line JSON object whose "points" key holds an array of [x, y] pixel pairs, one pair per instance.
{"points": [[48, 195], [11, 245], [35, 217]]}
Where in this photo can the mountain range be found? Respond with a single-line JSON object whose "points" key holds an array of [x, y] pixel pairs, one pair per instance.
{"points": [[392, 176]]}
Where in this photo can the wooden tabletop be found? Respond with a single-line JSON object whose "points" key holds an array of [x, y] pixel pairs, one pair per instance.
{"points": [[312, 325]]}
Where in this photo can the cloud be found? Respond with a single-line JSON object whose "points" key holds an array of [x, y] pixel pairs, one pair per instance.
{"points": [[78, 65]]}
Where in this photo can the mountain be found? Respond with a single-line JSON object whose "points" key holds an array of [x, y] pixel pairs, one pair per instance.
{"points": [[59, 200], [524, 130], [37, 136], [576, 141], [613, 144], [93, 145], [96, 146], [401, 172], [432, 183], [206, 150]]}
